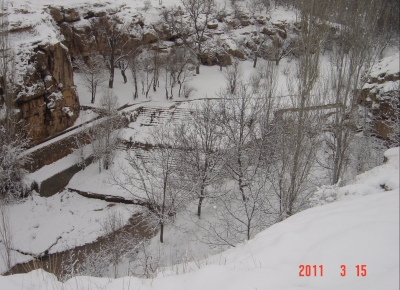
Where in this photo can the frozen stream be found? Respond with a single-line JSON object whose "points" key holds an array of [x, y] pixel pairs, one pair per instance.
{"points": [[55, 263]]}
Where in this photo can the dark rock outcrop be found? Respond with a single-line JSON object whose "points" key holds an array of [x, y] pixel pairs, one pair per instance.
{"points": [[47, 98], [381, 96]]}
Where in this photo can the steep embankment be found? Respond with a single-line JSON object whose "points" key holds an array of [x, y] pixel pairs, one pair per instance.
{"points": [[353, 244]]}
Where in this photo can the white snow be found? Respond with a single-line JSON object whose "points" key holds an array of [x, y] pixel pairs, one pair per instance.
{"points": [[361, 231], [90, 180], [388, 65], [58, 223], [358, 224]]}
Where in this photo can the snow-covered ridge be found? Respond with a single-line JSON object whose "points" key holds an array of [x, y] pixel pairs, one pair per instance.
{"points": [[379, 179], [387, 66], [385, 75], [350, 233]]}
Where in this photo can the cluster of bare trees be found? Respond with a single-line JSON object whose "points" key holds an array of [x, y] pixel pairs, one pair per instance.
{"points": [[118, 43], [256, 161], [102, 135], [154, 178], [93, 73], [173, 68], [13, 140]]}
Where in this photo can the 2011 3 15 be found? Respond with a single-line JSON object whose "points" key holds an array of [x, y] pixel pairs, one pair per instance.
{"points": [[318, 270]]}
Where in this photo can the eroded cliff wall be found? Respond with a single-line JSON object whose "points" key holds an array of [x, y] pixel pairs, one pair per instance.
{"points": [[47, 98]]}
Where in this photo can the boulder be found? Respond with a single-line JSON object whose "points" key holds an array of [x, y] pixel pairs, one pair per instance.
{"points": [[268, 31], [150, 37], [79, 40], [280, 25], [261, 20], [236, 53], [71, 15], [245, 22], [281, 33], [56, 14], [224, 59], [232, 22], [212, 25]]}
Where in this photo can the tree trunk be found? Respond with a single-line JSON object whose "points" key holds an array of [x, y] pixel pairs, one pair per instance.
{"points": [[199, 205], [163, 209], [111, 80], [93, 86], [180, 89], [198, 69], [161, 232], [124, 76], [255, 62], [112, 68], [248, 229], [135, 94], [166, 84]]}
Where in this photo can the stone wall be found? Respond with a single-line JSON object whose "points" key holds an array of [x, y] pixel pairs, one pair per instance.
{"points": [[59, 181], [52, 152]]}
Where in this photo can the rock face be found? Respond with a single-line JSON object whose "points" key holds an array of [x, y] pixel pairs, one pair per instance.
{"points": [[48, 101], [381, 95], [79, 40]]}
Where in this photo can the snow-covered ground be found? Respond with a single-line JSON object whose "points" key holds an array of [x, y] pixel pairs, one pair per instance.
{"points": [[357, 224], [58, 223], [388, 66], [208, 84], [360, 233], [90, 180]]}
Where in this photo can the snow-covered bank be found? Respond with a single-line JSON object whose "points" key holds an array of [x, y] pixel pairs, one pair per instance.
{"points": [[356, 232], [57, 223]]}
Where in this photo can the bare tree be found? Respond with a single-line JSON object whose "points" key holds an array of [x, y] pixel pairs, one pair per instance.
{"points": [[354, 53], [13, 139], [298, 141], [193, 33], [146, 73], [233, 76], [117, 241], [115, 33], [243, 207], [104, 132], [155, 180], [257, 43], [203, 157], [256, 7], [281, 48], [7, 69], [93, 73], [176, 68], [237, 220]]}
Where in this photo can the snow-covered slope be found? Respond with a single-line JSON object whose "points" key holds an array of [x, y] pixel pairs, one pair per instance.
{"points": [[350, 233]]}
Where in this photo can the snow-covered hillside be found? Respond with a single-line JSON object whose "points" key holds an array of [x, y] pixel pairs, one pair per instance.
{"points": [[353, 244]]}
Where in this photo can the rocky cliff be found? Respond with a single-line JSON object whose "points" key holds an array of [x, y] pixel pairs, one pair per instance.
{"points": [[381, 95], [46, 96]]}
